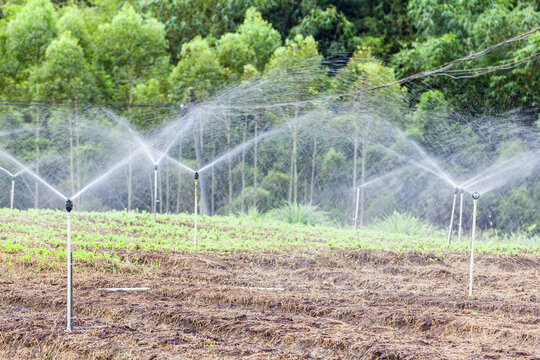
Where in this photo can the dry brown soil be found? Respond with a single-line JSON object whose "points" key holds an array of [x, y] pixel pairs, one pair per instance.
{"points": [[276, 305]]}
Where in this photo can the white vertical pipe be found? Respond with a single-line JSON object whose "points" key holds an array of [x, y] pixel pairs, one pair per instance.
{"points": [[155, 191], [475, 201], [460, 214], [196, 211], [356, 211], [69, 277], [12, 195], [452, 218]]}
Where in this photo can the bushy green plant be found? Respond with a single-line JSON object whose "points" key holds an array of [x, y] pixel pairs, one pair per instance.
{"points": [[295, 213], [404, 224]]}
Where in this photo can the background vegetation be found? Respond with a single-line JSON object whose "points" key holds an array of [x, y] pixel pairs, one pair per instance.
{"points": [[149, 51]]}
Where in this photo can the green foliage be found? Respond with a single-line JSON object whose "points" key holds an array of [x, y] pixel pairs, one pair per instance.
{"points": [[405, 224], [131, 50], [199, 68], [294, 213], [260, 36], [30, 31]]}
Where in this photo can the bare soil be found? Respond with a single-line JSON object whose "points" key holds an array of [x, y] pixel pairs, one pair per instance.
{"points": [[312, 304]]}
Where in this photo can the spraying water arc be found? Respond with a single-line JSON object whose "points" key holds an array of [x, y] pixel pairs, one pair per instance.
{"points": [[475, 197]]}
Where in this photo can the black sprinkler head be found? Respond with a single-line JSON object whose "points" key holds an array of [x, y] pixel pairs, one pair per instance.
{"points": [[475, 195], [456, 191], [155, 167], [196, 176], [462, 191], [12, 177], [69, 205]]}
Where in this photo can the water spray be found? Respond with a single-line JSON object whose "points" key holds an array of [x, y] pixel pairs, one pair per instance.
{"points": [[460, 214], [196, 176], [452, 216], [155, 191], [69, 207], [356, 211], [475, 197]]}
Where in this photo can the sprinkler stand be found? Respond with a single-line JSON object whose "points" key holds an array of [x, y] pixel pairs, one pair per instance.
{"points": [[475, 197], [69, 207], [196, 176], [12, 194], [356, 211], [460, 214], [452, 216], [155, 190]]}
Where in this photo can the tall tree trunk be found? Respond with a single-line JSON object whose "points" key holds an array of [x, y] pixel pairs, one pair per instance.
{"points": [[255, 170], [295, 173], [313, 162], [355, 162], [77, 153], [365, 140], [229, 161], [130, 168], [71, 153], [179, 190], [167, 191], [244, 166], [197, 136], [213, 185], [36, 187]]}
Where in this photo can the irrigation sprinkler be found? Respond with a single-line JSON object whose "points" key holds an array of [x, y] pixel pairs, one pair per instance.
{"points": [[452, 216], [69, 207], [12, 194], [356, 211], [475, 197], [155, 191], [196, 176], [460, 214]]}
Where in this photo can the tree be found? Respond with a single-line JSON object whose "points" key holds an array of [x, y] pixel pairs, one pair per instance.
{"points": [[130, 50], [364, 109], [65, 75], [289, 63], [29, 33], [260, 36]]}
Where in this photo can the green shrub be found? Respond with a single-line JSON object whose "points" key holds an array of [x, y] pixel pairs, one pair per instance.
{"points": [[404, 224], [294, 213]]}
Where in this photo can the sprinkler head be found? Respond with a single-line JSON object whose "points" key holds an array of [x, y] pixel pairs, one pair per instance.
{"points": [[475, 195], [456, 191], [69, 205], [196, 176], [461, 191], [155, 167], [12, 177]]}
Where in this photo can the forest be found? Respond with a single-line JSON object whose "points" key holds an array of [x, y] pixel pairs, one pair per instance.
{"points": [[62, 60]]}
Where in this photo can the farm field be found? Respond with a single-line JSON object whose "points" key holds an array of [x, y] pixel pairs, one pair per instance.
{"points": [[258, 290]]}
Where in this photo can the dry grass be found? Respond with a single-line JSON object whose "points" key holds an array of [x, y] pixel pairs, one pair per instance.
{"points": [[347, 304]]}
